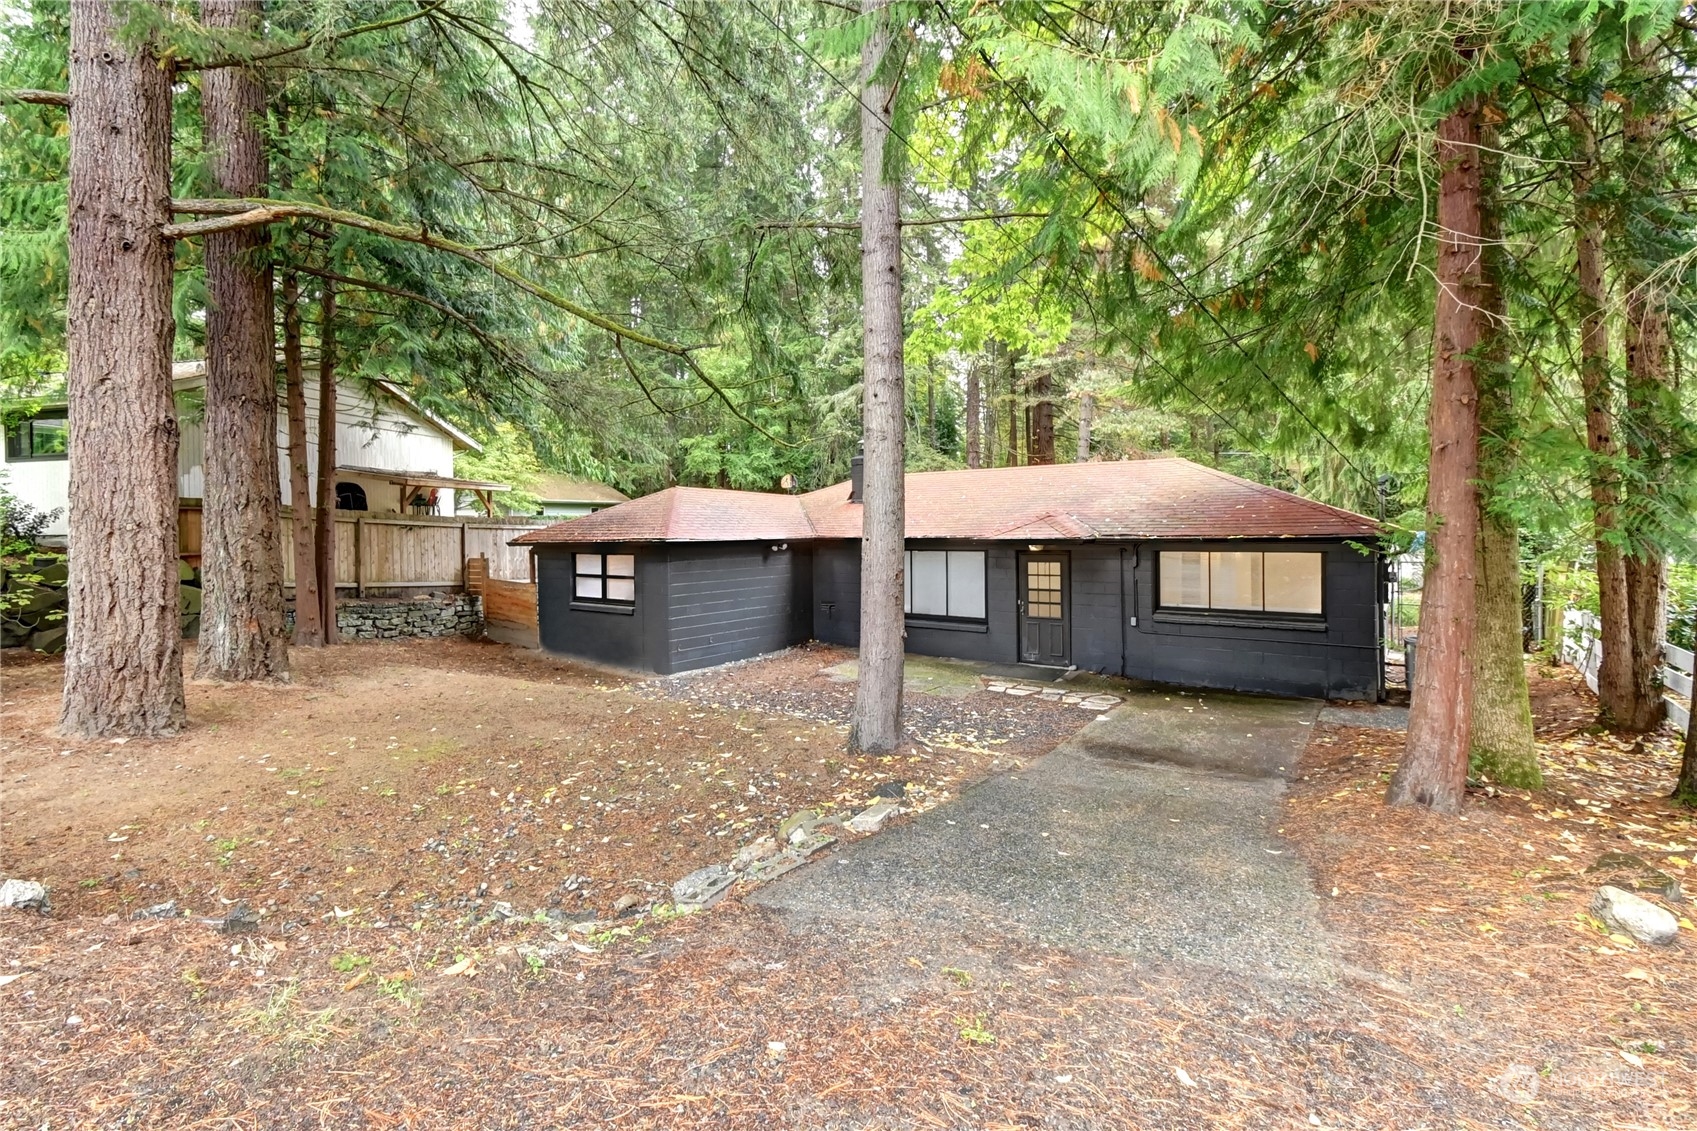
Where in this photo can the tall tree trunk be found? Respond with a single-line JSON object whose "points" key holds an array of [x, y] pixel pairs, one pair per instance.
{"points": [[324, 514], [241, 628], [1011, 370], [1086, 421], [1615, 688], [931, 407], [990, 408], [1685, 788], [123, 651], [1647, 334], [1041, 433], [309, 616], [973, 411], [1433, 770], [876, 725], [1503, 747]]}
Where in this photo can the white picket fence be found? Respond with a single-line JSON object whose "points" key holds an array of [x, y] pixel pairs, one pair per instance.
{"points": [[1582, 648]]}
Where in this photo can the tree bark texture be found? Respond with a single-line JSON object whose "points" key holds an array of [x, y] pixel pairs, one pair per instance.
{"points": [[309, 623], [1615, 688], [241, 628], [324, 514], [1685, 788], [1433, 770], [876, 725], [1086, 422], [1011, 369], [973, 417], [1503, 747], [1040, 432], [1647, 399], [123, 651]]}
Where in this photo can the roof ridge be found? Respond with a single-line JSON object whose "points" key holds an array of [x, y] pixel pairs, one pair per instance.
{"points": [[673, 493], [1265, 488]]}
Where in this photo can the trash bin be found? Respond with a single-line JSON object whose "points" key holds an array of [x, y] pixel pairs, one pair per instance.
{"points": [[1410, 645]]}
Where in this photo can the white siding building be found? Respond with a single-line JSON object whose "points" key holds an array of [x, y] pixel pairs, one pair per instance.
{"points": [[381, 434]]}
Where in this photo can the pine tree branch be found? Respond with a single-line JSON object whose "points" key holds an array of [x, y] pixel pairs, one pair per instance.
{"points": [[37, 97], [854, 225], [279, 52], [488, 340], [231, 215]]}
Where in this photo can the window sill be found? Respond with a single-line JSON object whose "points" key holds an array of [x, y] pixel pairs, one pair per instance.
{"points": [[59, 458], [1240, 620], [948, 625], [596, 607]]}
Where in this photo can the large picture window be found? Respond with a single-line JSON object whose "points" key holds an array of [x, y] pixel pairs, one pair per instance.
{"points": [[606, 578], [44, 437], [1241, 580], [945, 583]]}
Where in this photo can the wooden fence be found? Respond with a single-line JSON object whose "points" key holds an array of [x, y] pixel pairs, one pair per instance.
{"points": [[509, 607], [1583, 648], [394, 551]]}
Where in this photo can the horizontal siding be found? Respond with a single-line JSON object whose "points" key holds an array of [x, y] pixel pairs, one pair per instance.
{"points": [[1342, 662], [729, 603], [604, 638]]}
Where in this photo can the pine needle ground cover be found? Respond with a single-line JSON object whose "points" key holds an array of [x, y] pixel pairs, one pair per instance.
{"points": [[453, 1015], [1477, 932]]}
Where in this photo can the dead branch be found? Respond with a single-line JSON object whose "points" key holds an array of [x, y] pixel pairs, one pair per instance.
{"points": [[37, 97], [854, 225]]}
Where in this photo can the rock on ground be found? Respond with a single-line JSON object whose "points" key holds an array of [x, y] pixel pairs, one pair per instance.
{"points": [[23, 895], [1635, 916], [703, 887]]}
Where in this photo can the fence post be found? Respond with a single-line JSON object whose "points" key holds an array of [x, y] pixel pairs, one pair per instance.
{"points": [[359, 557]]}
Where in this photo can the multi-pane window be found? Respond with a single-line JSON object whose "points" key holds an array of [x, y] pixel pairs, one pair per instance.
{"points": [[610, 578], [1237, 579], [1043, 590], [44, 437], [945, 583]]}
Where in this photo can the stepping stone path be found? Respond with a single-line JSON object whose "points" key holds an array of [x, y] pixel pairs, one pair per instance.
{"points": [[1085, 700], [765, 859]]}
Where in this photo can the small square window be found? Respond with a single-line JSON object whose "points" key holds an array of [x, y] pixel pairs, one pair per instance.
{"points": [[604, 578]]}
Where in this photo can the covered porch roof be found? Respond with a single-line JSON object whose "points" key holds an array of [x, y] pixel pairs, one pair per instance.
{"points": [[412, 483]]}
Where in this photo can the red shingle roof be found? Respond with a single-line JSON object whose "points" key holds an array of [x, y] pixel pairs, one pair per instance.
{"points": [[686, 514], [1152, 498]]}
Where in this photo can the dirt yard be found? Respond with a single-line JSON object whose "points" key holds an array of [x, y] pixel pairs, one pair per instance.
{"points": [[402, 813], [422, 782]]}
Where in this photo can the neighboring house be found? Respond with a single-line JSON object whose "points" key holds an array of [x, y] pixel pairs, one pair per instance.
{"points": [[389, 450], [1157, 569], [564, 496]]}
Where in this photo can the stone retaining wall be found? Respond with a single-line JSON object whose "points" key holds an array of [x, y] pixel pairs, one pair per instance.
{"points": [[457, 614]]}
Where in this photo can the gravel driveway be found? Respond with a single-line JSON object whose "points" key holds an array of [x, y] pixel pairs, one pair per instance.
{"points": [[1150, 833]]}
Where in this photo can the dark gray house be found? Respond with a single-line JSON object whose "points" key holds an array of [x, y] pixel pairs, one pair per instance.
{"points": [[1157, 569]]}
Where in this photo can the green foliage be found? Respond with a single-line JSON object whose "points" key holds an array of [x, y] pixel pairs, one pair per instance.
{"points": [[1213, 220], [509, 457]]}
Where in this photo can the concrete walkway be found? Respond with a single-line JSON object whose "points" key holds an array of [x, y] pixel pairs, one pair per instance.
{"points": [[1150, 833]]}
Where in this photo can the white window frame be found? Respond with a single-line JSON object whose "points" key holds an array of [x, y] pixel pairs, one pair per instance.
{"points": [[1208, 566], [601, 571], [954, 564]]}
